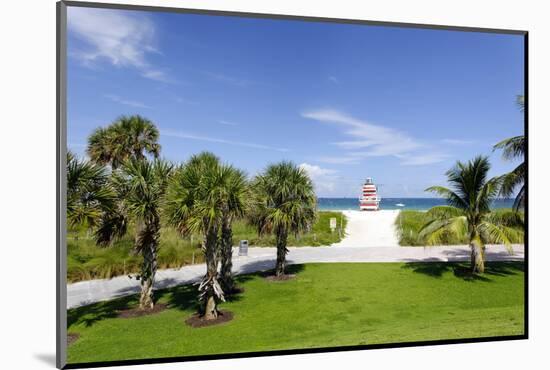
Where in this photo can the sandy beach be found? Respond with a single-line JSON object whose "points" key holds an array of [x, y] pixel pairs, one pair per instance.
{"points": [[370, 229]]}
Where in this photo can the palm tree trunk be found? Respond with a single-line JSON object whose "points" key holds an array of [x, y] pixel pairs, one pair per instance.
{"points": [[210, 290], [148, 271], [226, 276], [481, 260], [147, 238], [281, 252], [477, 258]]}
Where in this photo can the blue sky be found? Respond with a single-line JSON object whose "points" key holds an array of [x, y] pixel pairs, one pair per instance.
{"points": [[343, 101]]}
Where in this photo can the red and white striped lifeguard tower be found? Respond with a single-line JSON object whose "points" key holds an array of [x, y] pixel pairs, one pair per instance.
{"points": [[369, 200]]}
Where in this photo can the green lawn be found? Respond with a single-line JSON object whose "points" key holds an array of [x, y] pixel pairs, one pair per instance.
{"points": [[85, 260], [326, 305], [409, 223]]}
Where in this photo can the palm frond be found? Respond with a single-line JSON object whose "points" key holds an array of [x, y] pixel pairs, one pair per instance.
{"points": [[452, 198], [112, 226], [520, 101], [285, 199], [512, 148], [488, 194], [504, 217], [89, 192], [519, 202], [512, 180], [502, 234], [435, 230], [128, 137], [444, 212]]}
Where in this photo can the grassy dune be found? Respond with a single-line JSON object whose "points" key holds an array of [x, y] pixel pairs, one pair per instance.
{"points": [[88, 261], [319, 235], [85, 260], [326, 305], [409, 223]]}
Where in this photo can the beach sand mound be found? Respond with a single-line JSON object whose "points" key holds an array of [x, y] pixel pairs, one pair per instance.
{"points": [[370, 229]]}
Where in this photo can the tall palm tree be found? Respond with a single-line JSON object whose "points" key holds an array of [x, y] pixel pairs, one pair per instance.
{"points": [[89, 193], [234, 195], [129, 137], [469, 213], [285, 202], [514, 148], [141, 185], [193, 204]]}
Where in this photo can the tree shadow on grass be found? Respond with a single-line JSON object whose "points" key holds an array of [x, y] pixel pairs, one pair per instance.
{"points": [[182, 297], [463, 270], [90, 314], [263, 268], [185, 297], [504, 268]]}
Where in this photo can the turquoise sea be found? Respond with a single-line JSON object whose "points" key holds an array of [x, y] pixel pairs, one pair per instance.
{"points": [[331, 204]]}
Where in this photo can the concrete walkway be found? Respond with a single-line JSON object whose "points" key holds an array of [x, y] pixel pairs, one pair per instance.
{"points": [[258, 259]]}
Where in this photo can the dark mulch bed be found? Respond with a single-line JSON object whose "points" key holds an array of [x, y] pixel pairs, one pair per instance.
{"points": [[72, 337], [197, 321], [284, 277], [137, 312]]}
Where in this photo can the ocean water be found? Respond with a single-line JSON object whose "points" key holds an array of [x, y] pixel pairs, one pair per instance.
{"points": [[332, 204]]}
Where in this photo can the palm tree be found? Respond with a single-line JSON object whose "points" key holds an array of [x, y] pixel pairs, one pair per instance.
{"points": [[514, 148], [469, 213], [285, 202], [141, 185], [234, 195], [89, 194], [126, 138], [520, 101], [193, 204]]}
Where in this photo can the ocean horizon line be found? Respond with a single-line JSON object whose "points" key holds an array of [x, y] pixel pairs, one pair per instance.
{"points": [[396, 203]]}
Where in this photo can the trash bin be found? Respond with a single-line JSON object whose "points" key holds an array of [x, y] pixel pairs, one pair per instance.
{"points": [[243, 248]]}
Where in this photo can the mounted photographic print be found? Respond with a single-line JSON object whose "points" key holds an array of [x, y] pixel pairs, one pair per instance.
{"points": [[236, 184]]}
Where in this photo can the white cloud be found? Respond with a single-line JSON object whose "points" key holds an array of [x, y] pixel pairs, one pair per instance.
{"points": [[355, 144], [316, 171], [131, 103], [423, 159], [189, 136], [324, 179], [375, 140], [380, 140], [157, 75], [334, 80], [115, 37]]}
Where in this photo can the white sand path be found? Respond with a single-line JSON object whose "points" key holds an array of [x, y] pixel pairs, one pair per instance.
{"points": [[370, 229]]}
